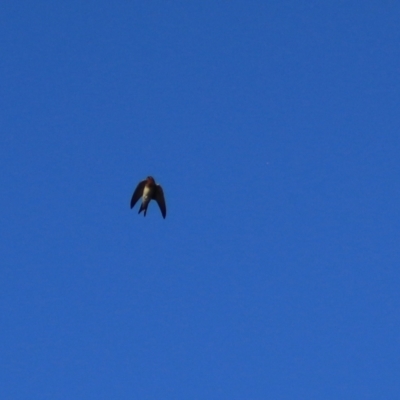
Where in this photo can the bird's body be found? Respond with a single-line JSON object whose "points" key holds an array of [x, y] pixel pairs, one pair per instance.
{"points": [[149, 190]]}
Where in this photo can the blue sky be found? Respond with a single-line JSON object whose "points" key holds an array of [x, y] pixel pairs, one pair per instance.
{"points": [[273, 128]]}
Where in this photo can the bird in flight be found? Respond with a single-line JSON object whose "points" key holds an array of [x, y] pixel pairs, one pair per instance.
{"points": [[149, 190]]}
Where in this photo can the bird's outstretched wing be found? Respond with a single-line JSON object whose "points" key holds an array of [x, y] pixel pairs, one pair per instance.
{"points": [[137, 194], [159, 197]]}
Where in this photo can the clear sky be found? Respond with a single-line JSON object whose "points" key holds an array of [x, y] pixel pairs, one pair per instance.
{"points": [[273, 127]]}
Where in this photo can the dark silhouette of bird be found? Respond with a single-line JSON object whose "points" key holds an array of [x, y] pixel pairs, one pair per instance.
{"points": [[149, 190]]}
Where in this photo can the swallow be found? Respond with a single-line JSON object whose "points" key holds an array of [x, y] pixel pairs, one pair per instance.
{"points": [[149, 190]]}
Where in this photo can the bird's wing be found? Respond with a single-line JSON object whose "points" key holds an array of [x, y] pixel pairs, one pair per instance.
{"points": [[159, 197], [137, 194]]}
